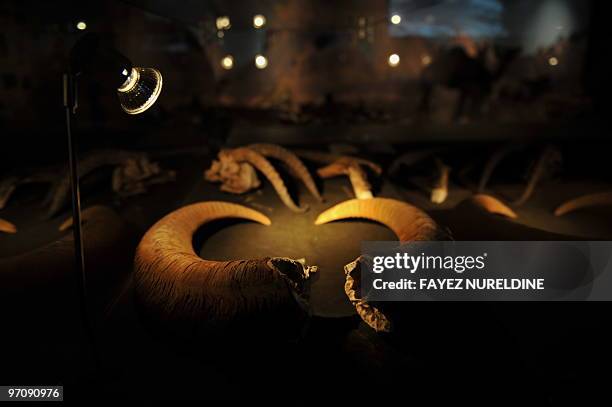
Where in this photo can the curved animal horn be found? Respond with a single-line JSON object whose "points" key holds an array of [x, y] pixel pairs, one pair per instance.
{"points": [[293, 163], [439, 192], [548, 155], [493, 205], [259, 161], [93, 212], [585, 201], [356, 174], [7, 227], [406, 221], [328, 158], [173, 280]]}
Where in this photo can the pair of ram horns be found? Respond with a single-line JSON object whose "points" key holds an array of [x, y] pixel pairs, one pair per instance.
{"points": [[174, 281]]}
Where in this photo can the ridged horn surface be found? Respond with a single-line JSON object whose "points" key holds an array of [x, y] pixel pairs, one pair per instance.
{"points": [[7, 227], [173, 280], [585, 201], [406, 221], [262, 164], [493, 205], [293, 163]]}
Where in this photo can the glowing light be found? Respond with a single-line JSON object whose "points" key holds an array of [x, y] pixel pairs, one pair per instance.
{"points": [[261, 62], [227, 62], [396, 19], [223, 23], [81, 25], [220, 34], [259, 21], [426, 60], [552, 61], [393, 60], [140, 90]]}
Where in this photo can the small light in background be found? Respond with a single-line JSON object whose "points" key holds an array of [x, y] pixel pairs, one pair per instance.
{"points": [[81, 25], [259, 21], [223, 23], [426, 60], [396, 19], [227, 62], [261, 62], [220, 34], [552, 61], [394, 60]]}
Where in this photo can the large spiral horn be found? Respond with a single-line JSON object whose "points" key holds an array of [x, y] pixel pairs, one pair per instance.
{"points": [[175, 282], [293, 163], [406, 221]]}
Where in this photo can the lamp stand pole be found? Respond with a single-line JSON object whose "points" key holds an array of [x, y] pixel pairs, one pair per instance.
{"points": [[70, 106]]}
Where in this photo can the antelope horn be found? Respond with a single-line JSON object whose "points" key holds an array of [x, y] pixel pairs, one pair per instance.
{"points": [[492, 163], [328, 158], [92, 212], [293, 163], [7, 187], [536, 175], [439, 192], [59, 194], [406, 221], [357, 176], [174, 281], [493, 205], [259, 161], [585, 201], [7, 227]]}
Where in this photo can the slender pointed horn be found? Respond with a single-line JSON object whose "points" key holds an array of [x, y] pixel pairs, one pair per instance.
{"points": [[439, 191], [293, 163], [262, 164], [93, 212], [547, 156], [174, 281], [585, 201], [493, 205], [359, 179], [7, 227], [406, 221]]}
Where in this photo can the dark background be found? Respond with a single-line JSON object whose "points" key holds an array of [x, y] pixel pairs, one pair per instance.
{"points": [[327, 85]]}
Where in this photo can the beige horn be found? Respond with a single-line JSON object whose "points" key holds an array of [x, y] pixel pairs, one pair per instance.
{"points": [[493, 205], [406, 221], [359, 180], [258, 161], [293, 163], [7, 227], [175, 282], [585, 201]]}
